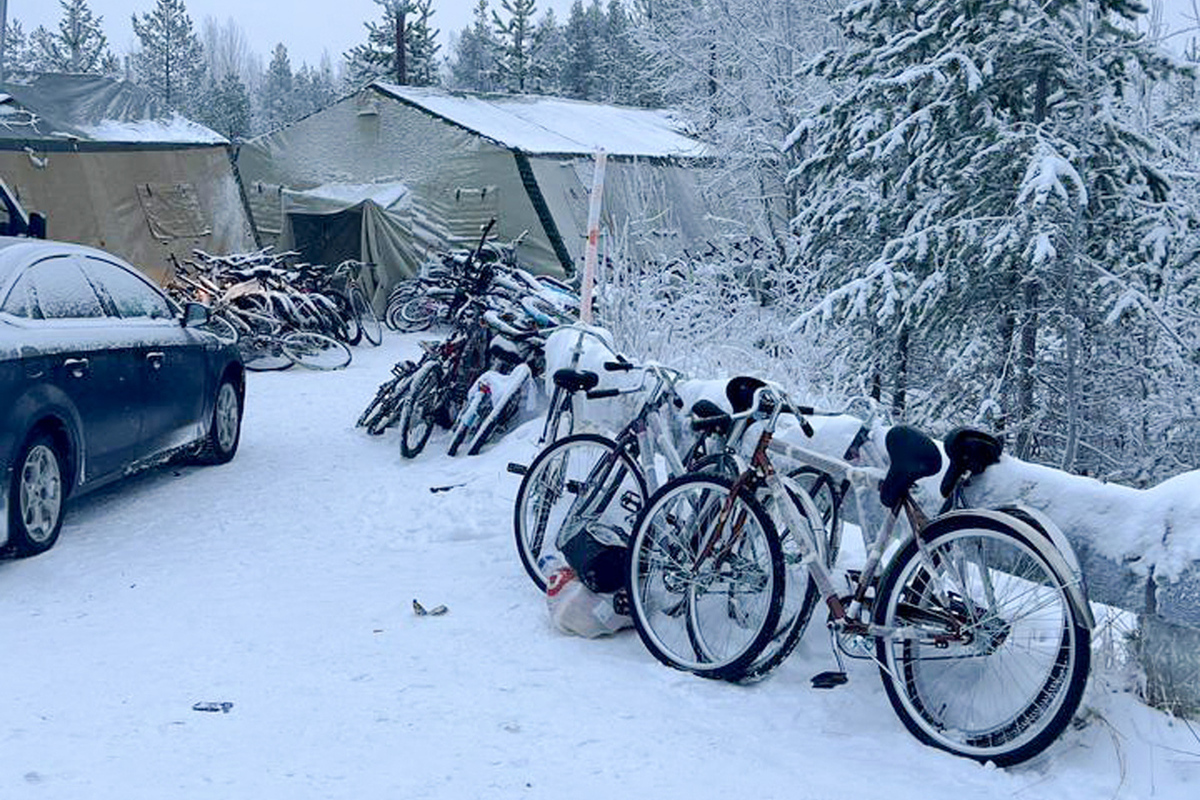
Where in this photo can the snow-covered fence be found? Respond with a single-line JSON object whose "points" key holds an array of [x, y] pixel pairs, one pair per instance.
{"points": [[1140, 551]]}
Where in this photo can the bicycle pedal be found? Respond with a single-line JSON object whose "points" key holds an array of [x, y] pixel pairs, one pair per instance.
{"points": [[517, 469], [829, 680]]}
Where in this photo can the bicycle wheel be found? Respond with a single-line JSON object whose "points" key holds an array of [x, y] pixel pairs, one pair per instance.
{"points": [[316, 350], [416, 315], [553, 484], [706, 587], [990, 658], [368, 322], [222, 328], [800, 590], [504, 410], [478, 406], [263, 353], [350, 328], [418, 410], [828, 500]]}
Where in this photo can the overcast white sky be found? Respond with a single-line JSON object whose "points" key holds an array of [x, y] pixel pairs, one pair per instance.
{"points": [[308, 27]]}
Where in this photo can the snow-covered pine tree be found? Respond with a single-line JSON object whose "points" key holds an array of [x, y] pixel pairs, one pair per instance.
{"points": [[276, 101], [379, 57], [732, 68], [78, 46], [227, 107], [548, 55], [974, 205], [170, 61], [515, 38], [18, 57], [474, 52], [313, 88], [582, 33], [623, 71]]}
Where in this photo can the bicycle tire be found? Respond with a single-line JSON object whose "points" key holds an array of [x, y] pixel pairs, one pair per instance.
{"points": [[264, 353], [316, 350], [389, 414], [828, 500], [800, 597], [468, 421], [683, 622], [364, 314], [351, 330], [418, 409], [494, 423], [550, 487], [1028, 640], [416, 314], [222, 328]]}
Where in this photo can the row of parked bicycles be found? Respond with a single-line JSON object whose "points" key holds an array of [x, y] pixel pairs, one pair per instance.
{"points": [[716, 525], [477, 379], [281, 312]]}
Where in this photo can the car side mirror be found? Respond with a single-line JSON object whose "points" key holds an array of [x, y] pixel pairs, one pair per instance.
{"points": [[37, 225], [195, 314]]}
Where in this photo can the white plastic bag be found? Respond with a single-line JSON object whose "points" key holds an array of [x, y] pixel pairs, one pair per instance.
{"points": [[577, 610]]}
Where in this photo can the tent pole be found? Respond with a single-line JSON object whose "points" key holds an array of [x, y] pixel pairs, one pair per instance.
{"points": [[593, 240]]}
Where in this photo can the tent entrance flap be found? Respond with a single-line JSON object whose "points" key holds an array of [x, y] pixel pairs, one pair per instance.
{"points": [[327, 238]]}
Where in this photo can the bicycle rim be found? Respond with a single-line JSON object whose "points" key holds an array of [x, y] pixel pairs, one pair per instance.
{"points": [[372, 329], [263, 354], [315, 350], [417, 411], [549, 491], [1008, 688], [706, 590]]}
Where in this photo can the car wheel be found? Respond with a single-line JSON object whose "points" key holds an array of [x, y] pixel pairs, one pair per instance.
{"points": [[225, 428], [36, 496]]}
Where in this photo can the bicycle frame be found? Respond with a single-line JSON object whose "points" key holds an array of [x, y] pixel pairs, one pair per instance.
{"points": [[853, 617]]}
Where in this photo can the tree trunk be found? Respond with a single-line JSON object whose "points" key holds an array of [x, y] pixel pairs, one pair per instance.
{"points": [[1026, 362], [900, 375], [401, 66]]}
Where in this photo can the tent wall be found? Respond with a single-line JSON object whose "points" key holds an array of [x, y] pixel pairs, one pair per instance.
{"points": [[143, 205], [458, 179], [651, 206]]}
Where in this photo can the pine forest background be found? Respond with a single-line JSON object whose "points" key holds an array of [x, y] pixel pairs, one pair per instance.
{"points": [[977, 211]]}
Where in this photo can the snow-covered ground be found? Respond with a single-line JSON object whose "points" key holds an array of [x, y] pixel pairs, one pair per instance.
{"points": [[283, 584]]}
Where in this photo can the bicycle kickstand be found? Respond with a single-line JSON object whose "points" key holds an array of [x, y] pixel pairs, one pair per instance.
{"points": [[835, 678]]}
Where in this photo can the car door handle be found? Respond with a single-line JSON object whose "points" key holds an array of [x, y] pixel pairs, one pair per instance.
{"points": [[78, 367], [155, 360]]}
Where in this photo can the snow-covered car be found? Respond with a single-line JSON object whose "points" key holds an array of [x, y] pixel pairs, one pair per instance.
{"points": [[101, 374]]}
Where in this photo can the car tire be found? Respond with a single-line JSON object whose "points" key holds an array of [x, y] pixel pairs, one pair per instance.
{"points": [[37, 494], [225, 426]]}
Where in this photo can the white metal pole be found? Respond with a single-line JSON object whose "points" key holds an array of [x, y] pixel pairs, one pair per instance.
{"points": [[593, 240]]}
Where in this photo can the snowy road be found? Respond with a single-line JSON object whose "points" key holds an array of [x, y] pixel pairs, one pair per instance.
{"points": [[282, 583]]}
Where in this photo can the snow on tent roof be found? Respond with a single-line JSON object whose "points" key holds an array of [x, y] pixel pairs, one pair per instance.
{"points": [[92, 108], [553, 125], [333, 197]]}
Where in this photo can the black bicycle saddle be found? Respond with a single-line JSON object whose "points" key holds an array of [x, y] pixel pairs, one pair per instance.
{"points": [[913, 456]]}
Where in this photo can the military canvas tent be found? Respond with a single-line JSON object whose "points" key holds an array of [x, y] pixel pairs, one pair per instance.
{"points": [[460, 159], [110, 167]]}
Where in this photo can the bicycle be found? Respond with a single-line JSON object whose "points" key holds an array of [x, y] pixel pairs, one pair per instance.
{"points": [[274, 350], [439, 385], [978, 619], [588, 486]]}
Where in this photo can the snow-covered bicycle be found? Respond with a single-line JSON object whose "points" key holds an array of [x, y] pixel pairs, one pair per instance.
{"points": [[978, 619]]}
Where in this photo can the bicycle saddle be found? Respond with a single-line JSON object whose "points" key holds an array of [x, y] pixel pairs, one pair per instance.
{"points": [[571, 380], [740, 391], [968, 450], [708, 416], [913, 456]]}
